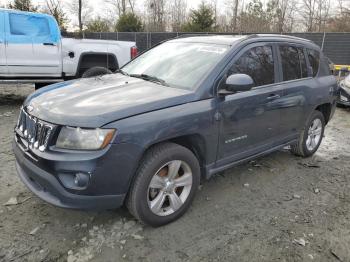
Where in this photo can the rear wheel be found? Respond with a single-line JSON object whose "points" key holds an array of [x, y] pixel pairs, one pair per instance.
{"points": [[311, 137], [165, 184], [96, 71]]}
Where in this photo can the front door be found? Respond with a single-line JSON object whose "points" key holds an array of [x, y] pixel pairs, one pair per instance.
{"points": [[32, 46], [3, 66], [250, 120]]}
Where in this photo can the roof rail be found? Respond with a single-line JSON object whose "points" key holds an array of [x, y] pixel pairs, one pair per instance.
{"points": [[283, 36]]}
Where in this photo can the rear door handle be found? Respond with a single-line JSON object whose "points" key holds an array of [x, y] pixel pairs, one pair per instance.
{"points": [[273, 97], [49, 44]]}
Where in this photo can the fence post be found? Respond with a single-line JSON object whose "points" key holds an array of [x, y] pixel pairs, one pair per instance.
{"points": [[150, 39], [324, 36]]}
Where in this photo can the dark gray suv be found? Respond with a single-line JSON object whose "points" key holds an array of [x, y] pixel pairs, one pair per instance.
{"points": [[180, 112]]}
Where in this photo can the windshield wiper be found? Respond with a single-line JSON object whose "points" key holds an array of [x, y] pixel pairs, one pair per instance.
{"points": [[150, 78], [122, 72]]}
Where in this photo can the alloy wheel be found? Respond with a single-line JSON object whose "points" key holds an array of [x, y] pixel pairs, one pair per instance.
{"points": [[314, 134], [169, 188]]}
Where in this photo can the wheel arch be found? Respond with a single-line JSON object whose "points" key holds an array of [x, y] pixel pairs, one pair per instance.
{"points": [[92, 59], [193, 142], [326, 110]]}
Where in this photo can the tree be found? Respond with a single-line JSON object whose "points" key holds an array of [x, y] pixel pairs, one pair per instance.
{"points": [[129, 22], [308, 12], [23, 5], [80, 7], [282, 14], [322, 14], [178, 13], [156, 15], [98, 25], [53, 7], [201, 20], [81, 10], [255, 18], [235, 15], [341, 20], [123, 6]]}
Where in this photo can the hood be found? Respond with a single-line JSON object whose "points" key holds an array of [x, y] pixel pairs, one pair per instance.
{"points": [[94, 102]]}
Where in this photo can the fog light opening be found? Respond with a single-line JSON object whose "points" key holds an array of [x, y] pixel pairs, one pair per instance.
{"points": [[76, 181], [81, 179]]}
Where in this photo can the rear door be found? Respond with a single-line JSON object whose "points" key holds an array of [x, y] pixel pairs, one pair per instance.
{"points": [[251, 119], [3, 66], [32, 45], [296, 82]]}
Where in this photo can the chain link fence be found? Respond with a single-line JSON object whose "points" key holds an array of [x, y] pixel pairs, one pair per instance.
{"points": [[335, 45]]}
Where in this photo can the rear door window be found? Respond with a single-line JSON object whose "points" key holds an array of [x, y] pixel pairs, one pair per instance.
{"points": [[314, 59], [293, 62], [258, 63]]}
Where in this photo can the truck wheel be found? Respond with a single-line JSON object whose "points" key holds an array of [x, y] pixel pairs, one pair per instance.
{"points": [[96, 71], [311, 137], [165, 184]]}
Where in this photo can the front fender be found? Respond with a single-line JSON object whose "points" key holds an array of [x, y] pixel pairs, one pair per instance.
{"points": [[195, 118]]}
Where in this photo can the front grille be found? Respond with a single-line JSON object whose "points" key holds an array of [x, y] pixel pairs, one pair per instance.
{"points": [[36, 132]]}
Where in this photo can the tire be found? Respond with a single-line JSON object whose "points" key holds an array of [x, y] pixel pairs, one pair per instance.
{"points": [[303, 147], [156, 163], [96, 71]]}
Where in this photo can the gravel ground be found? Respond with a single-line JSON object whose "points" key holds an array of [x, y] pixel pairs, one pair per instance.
{"points": [[277, 208]]}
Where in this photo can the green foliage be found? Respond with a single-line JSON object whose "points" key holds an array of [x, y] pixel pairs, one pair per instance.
{"points": [[255, 18], [23, 5], [201, 20], [129, 22], [98, 25]]}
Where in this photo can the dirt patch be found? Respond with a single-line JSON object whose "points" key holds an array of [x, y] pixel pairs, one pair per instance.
{"points": [[277, 208]]}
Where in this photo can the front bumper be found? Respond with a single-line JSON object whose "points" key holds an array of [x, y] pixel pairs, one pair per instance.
{"points": [[344, 97], [109, 183]]}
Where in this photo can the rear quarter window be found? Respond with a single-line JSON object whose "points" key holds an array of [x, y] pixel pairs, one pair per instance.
{"points": [[314, 59]]}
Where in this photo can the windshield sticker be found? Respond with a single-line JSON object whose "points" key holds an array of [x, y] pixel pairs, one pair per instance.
{"points": [[212, 49]]}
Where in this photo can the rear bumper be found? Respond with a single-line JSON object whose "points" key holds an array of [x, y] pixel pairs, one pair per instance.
{"points": [[47, 187]]}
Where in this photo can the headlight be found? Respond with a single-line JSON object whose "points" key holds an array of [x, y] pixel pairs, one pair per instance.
{"points": [[84, 139]]}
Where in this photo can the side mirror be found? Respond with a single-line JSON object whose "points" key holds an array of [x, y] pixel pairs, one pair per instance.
{"points": [[236, 83]]}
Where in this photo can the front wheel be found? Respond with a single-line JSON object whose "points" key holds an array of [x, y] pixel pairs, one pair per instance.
{"points": [[165, 184], [311, 137]]}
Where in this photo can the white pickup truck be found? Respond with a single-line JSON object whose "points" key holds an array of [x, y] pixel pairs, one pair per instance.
{"points": [[33, 51]]}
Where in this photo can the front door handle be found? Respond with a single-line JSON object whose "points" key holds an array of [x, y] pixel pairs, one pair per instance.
{"points": [[273, 97], [49, 44]]}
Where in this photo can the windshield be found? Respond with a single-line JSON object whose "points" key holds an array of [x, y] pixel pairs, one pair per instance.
{"points": [[180, 65]]}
